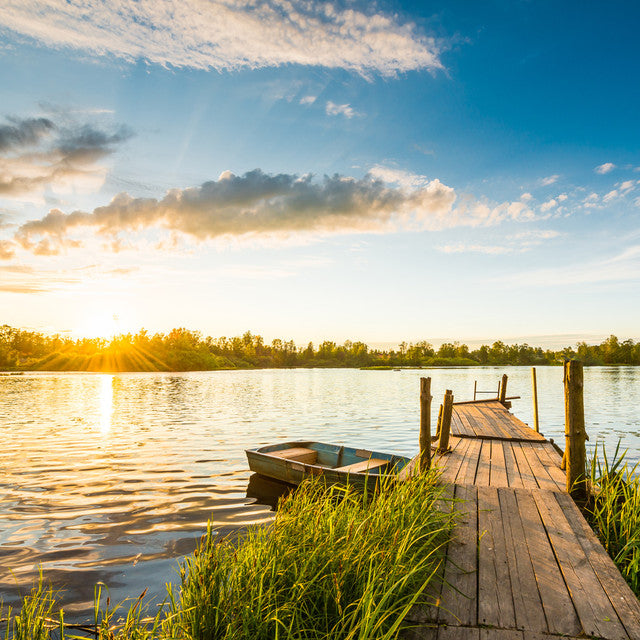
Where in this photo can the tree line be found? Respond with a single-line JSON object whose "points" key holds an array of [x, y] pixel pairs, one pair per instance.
{"points": [[185, 350]]}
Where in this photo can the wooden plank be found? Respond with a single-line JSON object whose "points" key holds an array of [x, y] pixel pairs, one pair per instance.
{"points": [[511, 466], [620, 595], [469, 467], [460, 426], [419, 633], [449, 463], [459, 591], [540, 473], [483, 474], [364, 465], [498, 470], [528, 479], [495, 602], [486, 425], [299, 454], [595, 611], [458, 633], [500, 634], [526, 598], [558, 608]]}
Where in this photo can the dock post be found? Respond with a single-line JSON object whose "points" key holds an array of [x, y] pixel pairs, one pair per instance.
{"points": [[445, 422], [475, 389], [439, 422], [536, 423], [574, 430], [502, 396], [425, 423]]}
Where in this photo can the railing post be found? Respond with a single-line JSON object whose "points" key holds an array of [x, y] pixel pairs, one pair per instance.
{"points": [[475, 388], [425, 423], [503, 389], [534, 383], [445, 422], [574, 430]]}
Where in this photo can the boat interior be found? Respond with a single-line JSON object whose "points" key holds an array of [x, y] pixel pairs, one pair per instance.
{"points": [[338, 458]]}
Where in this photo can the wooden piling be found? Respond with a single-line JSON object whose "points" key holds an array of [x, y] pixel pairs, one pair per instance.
{"points": [[502, 396], [445, 422], [475, 389], [425, 423], [536, 423], [574, 430]]}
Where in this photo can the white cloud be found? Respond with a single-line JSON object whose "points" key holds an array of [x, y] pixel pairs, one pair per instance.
{"points": [[535, 234], [345, 110], [591, 200], [308, 100], [475, 248], [228, 34], [627, 185], [398, 176], [545, 182], [607, 167], [525, 197], [612, 195], [562, 197], [549, 204]]}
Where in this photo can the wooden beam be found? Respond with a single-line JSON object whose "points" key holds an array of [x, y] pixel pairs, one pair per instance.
{"points": [[445, 423], [503, 389], [574, 430], [425, 423], [536, 423]]}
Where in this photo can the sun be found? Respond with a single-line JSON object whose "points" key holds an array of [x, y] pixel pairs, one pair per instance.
{"points": [[100, 324]]}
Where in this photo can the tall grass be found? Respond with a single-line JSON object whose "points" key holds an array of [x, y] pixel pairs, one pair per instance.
{"points": [[614, 512], [334, 564]]}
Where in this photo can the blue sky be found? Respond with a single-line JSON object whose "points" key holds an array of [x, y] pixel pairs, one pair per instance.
{"points": [[382, 172]]}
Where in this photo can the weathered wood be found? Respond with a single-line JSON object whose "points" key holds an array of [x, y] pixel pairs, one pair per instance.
{"points": [[458, 599], [299, 454], [365, 465], [425, 423], [445, 424], [595, 612], [575, 433], [495, 602], [503, 390], [439, 422], [526, 598], [534, 385]]}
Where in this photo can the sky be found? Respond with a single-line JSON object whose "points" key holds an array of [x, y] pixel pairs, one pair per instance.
{"points": [[340, 170]]}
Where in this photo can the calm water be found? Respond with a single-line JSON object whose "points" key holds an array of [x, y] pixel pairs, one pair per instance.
{"points": [[112, 478]]}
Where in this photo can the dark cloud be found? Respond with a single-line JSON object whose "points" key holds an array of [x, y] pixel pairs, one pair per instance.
{"points": [[23, 133], [255, 203], [39, 152]]}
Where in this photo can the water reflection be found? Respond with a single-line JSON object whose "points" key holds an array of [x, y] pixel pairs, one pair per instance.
{"points": [[106, 403], [121, 508]]}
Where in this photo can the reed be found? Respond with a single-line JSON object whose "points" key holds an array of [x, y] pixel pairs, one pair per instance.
{"points": [[614, 512], [335, 564]]}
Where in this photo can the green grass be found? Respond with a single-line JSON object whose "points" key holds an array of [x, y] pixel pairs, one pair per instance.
{"points": [[614, 512], [334, 564]]}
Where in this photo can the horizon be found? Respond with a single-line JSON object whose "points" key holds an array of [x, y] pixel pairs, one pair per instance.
{"points": [[396, 169]]}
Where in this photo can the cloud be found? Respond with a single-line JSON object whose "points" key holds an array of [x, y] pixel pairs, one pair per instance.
{"points": [[612, 195], [476, 248], [36, 153], [627, 185], [398, 176], [7, 249], [605, 168], [308, 99], [545, 182], [258, 204], [525, 197], [229, 34], [345, 110], [549, 204]]}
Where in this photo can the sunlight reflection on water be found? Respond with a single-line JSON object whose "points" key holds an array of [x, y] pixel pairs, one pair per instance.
{"points": [[112, 477]]}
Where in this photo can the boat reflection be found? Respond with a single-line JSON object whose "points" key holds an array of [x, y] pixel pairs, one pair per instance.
{"points": [[266, 490]]}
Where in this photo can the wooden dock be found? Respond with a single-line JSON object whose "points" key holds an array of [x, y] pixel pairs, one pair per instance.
{"points": [[524, 563]]}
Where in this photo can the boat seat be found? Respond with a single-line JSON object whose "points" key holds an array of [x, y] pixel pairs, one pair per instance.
{"points": [[365, 465], [299, 454]]}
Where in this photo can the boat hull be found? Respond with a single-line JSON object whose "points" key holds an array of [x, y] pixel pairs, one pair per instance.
{"points": [[266, 462]]}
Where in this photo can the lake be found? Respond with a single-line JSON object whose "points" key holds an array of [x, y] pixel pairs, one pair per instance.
{"points": [[112, 478]]}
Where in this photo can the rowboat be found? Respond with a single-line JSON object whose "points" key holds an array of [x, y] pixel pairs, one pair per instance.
{"points": [[292, 462]]}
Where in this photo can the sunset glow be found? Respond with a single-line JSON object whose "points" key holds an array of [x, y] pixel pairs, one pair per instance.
{"points": [[316, 172]]}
